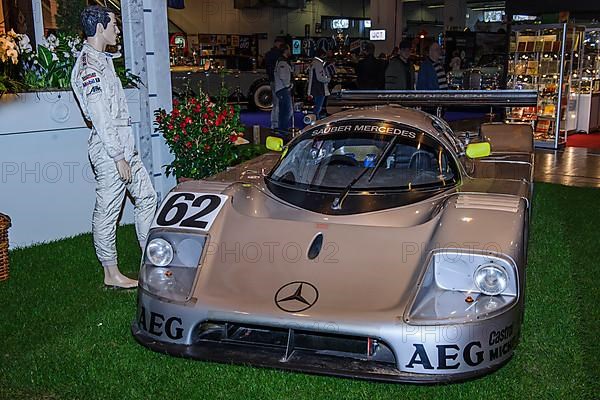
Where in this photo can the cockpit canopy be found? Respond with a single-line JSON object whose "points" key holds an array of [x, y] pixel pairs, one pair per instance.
{"points": [[330, 157], [352, 166]]}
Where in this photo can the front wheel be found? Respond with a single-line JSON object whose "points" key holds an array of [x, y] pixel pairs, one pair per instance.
{"points": [[261, 97]]}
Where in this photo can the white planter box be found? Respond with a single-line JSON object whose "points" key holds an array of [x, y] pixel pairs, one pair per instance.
{"points": [[47, 111], [46, 181]]}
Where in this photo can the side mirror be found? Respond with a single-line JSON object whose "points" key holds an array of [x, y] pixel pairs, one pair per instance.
{"points": [[479, 150], [274, 143]]}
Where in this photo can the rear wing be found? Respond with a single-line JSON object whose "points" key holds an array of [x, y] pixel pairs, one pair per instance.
{"points": [[432, 98]]}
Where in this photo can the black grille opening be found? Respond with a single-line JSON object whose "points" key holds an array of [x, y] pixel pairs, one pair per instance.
{"points": [[294, 340]]}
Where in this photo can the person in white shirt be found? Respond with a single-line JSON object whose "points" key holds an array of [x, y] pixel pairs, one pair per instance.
{"points": [[455, 62], [318, 82]]}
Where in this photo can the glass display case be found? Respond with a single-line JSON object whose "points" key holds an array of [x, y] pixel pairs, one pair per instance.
{"points": [[542, 58], [586, 81]]}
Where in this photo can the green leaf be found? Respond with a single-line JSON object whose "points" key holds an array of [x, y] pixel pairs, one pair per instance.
{"points": [[44, 57]]}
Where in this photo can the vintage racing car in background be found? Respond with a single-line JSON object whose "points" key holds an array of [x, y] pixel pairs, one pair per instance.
{"points": [[246, 84], [377, 245]]}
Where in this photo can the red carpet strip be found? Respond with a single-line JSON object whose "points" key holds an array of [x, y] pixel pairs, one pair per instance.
{"points": [[590, 141]]}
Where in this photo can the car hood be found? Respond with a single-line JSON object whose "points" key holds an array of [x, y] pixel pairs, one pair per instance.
{"points": [[369, 263]]}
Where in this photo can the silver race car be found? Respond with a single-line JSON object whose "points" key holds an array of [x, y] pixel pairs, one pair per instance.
{"points": [[377, 245]]}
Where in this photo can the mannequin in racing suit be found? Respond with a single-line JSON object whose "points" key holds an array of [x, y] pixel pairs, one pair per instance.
{"points": [[111, 146]]}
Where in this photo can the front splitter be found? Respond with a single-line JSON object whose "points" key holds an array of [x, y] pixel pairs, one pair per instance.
{"points": [[301, 361]]}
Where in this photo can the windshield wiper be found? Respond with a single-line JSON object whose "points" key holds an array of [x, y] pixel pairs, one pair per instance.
{"points": [[338, 201]]}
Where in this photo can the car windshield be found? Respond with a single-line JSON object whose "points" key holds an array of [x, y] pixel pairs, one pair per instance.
{"points": [[334, 161]]}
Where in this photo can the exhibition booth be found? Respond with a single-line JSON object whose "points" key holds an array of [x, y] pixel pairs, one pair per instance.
{"points": [[171, 58], [341, 188]]}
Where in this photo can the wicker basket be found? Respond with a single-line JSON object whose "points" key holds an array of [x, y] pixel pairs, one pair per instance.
{"points": [[4, 225]]}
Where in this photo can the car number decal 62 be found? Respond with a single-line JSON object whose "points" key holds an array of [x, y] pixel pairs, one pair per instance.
{"points": [[189, 210]]}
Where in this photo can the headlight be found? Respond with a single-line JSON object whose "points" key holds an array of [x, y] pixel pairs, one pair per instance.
{"points": [[461, 286], [490, 279], [159, 252], [170, 264]]}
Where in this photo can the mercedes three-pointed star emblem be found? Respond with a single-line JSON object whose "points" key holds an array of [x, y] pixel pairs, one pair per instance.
{"points": [[296, 296]]}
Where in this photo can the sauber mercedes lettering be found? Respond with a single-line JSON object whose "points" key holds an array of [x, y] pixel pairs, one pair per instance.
{"points": [[380, 246]]}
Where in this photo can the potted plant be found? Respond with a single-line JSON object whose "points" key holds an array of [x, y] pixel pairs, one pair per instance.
{"points": [[201, 134], [9, 63]]}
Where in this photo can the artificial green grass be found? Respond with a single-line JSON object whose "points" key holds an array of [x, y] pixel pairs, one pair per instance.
{"points": [[62, 336]]}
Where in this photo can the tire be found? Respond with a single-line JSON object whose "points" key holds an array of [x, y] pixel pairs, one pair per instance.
{"points": [[260, 96]]}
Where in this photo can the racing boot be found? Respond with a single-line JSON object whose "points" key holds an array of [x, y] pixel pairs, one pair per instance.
{"points": [[113, 278]]}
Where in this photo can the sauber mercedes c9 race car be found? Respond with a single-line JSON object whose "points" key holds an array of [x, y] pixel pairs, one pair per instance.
{"points": [[378, 244]]}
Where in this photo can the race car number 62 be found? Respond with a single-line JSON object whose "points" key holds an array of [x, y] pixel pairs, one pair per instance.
{"points": [[189, 210]]}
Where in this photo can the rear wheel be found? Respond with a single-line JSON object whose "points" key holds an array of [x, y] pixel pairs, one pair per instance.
{"points": [[261, 97]]}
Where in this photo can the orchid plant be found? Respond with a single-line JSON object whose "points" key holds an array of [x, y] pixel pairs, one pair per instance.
{"points": [[8, 47], [9, 58], [51, 65], [47, 67]]}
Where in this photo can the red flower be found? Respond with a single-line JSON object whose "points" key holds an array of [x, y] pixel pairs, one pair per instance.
{"points": [[176, 138], [170, 127], [188, 145], [198, 108], [206, 147], [218, 122], [188, 120], [205, 116], [175, 102], [182, 124], [184, 131], [204, 129], [175, 113], [233, 138]]}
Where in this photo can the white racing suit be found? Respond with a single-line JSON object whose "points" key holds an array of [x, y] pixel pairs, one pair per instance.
{"points": [[102, 100]]}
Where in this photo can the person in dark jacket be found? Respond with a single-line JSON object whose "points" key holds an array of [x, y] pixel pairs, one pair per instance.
{"points": [[270, 61], [370, 72], [400, 72], [432, 75], [283, 89]]}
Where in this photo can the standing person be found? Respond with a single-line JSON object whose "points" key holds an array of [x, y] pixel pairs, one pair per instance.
{"points": [[370, 72], [318, 82], [111, 146], [283, 88], [330, 70], [431, 74], [455, 62], [270, 60], [400, 72], [330, 66]]}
